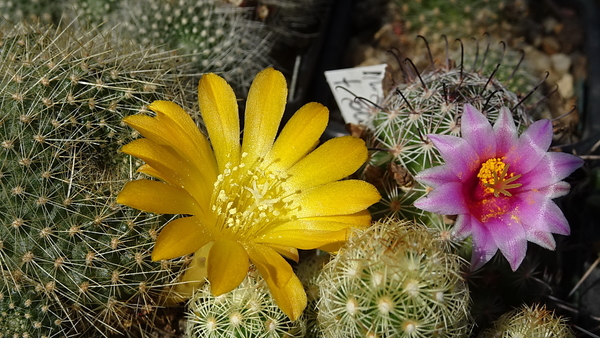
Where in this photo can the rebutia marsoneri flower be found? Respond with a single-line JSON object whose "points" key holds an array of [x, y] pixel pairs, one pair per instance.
{"points": [[252, 202], [500, 185]]}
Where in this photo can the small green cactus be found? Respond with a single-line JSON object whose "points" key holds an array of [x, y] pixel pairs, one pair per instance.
{"points": [[394, 280], [248, 311], [65, 243], [214, 36], [529, 321]]}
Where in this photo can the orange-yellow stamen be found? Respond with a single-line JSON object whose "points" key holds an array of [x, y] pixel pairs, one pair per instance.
{"points": [[495, 177]]}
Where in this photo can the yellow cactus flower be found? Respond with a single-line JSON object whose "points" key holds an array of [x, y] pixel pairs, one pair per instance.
{"points": [[253, 202]]}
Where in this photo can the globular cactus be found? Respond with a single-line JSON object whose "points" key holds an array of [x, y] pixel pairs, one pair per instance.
{"points": [[247, 311], [212, 35], [426, 103], [71, 258], [529, 321], [394, 280]]}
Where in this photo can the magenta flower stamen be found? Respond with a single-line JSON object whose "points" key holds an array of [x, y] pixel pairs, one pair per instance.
{"points": [[500, 185]]}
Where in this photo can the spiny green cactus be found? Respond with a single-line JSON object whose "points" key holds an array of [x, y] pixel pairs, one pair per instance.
{"points": [[64, 241], [214, 36], [529, 321], [394, 280], [248, 311], [429, 103]]}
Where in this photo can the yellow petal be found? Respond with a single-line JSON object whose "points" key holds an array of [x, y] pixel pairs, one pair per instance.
{"points": [[180, 237], [306, 239], [148, 170], [192, 148], [158, 198], [299, 136], [337, 198], [270, 264], [286, 251], [184, 135], [219, 110], [291, 299], [335, 246], [332, 161], [193, 278], [171, 169], [168, 165], [360, 219], [227, 266], [288, 292], [264, 109]]}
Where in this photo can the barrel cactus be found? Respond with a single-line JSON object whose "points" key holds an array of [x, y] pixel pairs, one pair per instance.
{"points": [[248, 311], [73, 261], [394, 280]]}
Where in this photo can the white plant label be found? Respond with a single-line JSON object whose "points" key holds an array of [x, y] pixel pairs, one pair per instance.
{"points": [[353, 88]]}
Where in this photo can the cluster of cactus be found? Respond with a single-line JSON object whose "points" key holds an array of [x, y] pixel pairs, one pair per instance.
{"points": [[248, 311], [529, 321], [71, 259], [396, 279]]}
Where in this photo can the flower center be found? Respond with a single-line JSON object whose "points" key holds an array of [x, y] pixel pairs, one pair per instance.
{"points": [[247, 200], [494, 176]]}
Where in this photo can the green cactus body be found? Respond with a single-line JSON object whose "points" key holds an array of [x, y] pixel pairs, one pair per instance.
{"points": [[529, 321], [394, 280], [214, 36], [247, 311], [64, 241]]}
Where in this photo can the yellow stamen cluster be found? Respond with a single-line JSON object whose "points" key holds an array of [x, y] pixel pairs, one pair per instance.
{"points": [[246, 200], [495, 177]]}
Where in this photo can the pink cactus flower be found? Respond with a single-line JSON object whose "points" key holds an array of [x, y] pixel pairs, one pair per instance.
{"points": [[500, 185]]}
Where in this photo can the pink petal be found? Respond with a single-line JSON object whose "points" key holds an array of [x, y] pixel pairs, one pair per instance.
{"points": [[541, 238], [447, 199], [536, 211], [462, 227], [477, 130], [531, 147], [484, 246], [555, 190], [552, 168], [511, 239], [506, 132], [436, 176], [458, 154]]}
